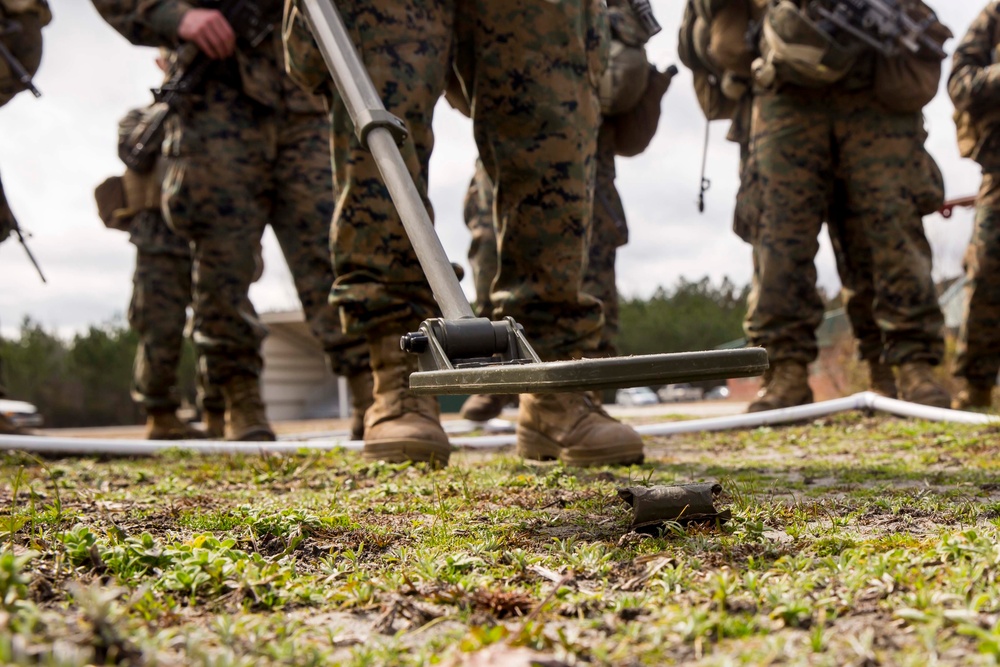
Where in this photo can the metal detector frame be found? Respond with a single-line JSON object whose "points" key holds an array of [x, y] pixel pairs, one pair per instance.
{"points": [[460, 353]]}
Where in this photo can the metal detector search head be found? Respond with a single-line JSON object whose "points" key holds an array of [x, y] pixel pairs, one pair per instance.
{"points": [[479, 356], [461, 353]]}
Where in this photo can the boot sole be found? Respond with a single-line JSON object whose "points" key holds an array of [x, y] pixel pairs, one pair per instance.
{"points": [[400, 451], [754, 407], [254, 435], [532, 444]]}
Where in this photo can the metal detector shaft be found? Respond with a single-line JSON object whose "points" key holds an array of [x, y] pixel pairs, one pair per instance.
{"points": [[379, 131]]}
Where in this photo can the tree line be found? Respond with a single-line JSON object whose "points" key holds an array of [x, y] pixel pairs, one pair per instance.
{"points": [[86, 380], [82, 381]]}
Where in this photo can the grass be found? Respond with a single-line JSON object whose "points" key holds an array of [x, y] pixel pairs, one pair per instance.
{"points": [[854, 540]]}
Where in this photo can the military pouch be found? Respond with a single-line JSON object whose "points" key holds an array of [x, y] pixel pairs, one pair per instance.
{"points": [[625, 79], [140, 137], [907, 82], [121, 198], [635, 128], [692, 48], [110, 198]]}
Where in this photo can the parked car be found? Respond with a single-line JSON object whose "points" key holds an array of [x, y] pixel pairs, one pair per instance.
{"points": [[21, 413], [634, 396], [717, 393], [683, 391]]}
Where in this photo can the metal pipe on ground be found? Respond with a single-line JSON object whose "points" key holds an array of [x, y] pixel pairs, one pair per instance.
{"points": [[863, 401]]}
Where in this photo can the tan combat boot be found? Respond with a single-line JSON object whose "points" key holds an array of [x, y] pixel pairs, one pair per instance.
{"points": [[573, 429], [166, 425], [484, 407], [973, 396], [917, 384], [215, 424], [881, 379], [401, 426], [245, 414], [787, 387], [361, 399]]}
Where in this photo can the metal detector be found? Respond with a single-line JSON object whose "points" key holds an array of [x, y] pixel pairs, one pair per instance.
{"points": [[461, 353]]}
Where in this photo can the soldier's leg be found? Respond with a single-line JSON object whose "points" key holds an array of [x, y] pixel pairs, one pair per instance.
{"points": [[303, 211], [792, 152], [854, 265], [537, 136], [610, 231], [533, 69], [978, 352], [161, 292], [875, 152], [379, 286], [483, 260], [483, 244], [216, 193]]}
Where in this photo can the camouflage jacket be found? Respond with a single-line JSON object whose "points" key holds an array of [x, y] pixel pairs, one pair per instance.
{"points": [[974, 84], [261, 68]]}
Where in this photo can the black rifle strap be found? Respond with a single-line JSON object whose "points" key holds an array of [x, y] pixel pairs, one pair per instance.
{"points": [[705, 183]]}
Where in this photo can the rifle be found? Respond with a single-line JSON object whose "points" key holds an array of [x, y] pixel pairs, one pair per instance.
{"points": [[10, 27], [881, 24], [251, 20], [20, 239]]}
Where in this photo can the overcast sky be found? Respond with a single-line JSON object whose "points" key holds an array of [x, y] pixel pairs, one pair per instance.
{"points": [[55, 150]]}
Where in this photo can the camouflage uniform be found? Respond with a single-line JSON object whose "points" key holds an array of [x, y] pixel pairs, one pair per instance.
{"points": [[161, 293], [537, 140], [610, 232], [248, 150], [974, 88], [803, 139], [530, 71]]}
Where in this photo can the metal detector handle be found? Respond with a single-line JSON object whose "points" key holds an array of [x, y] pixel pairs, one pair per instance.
{"points": [[379, 131]]}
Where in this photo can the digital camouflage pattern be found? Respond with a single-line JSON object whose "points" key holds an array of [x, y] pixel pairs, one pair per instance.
{"points": [[978, 350], [535, 119], [974, 86], [610, 231], [272, 139], [803, 140], [161, 293]]}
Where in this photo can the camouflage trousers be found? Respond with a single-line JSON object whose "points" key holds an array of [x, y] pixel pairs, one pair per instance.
{"points": [[608, 234], [802, 141], [532, 69], [234, 167], [853, 255], [978, 351], [161, 293]]}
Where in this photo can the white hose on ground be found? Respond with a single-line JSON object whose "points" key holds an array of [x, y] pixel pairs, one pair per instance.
{"points": [[863, 401]]}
